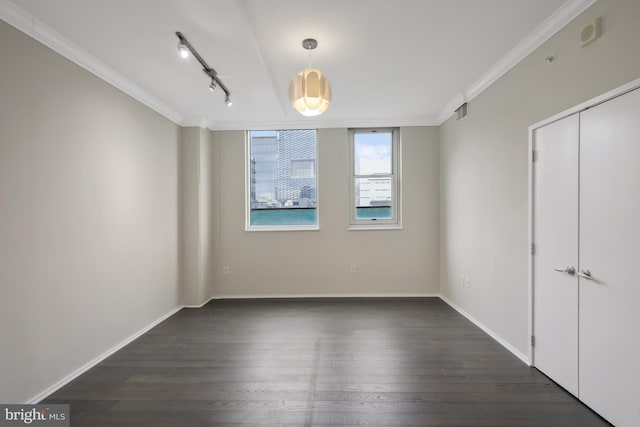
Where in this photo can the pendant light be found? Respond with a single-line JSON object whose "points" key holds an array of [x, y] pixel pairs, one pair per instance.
{"points": [[309, 90]]}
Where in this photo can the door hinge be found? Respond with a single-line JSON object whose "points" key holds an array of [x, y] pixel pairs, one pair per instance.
{"points": [[534, 156], [533, 341]]}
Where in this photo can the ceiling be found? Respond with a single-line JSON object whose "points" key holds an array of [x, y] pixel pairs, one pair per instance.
{"points": [[389, 62]]}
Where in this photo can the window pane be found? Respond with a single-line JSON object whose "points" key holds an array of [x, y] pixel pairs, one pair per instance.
{"points": [[283, 177], [372, 153], [375, 178], [373, 198]]}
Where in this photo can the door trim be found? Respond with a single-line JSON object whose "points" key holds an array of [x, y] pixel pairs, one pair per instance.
{"points": [[619, 91]]}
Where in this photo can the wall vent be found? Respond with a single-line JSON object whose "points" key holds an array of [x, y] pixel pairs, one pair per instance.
{"points": [[590, 32], [461, 112]]}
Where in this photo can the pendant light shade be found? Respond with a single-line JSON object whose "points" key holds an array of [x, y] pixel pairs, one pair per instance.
{"points": [[309, 90]]}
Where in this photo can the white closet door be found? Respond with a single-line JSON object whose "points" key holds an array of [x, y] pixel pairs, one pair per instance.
{"points": [[610, 250], [556, 239]]}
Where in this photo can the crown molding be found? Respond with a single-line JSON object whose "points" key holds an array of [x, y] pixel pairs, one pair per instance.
{"points": [[325, 123], [28, 24], [196, 122], [554, 23]]}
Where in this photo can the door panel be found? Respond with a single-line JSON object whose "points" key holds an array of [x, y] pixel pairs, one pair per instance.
{"points": [[610, 249], [555, 234]]}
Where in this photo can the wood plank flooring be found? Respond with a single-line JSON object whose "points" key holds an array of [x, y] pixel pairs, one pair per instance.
{"points": [[318, 362]]}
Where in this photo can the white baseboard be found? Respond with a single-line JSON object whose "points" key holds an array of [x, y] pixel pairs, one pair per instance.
{"points": [[285, 296], [67, 379], [198, 306], [488, 331]]}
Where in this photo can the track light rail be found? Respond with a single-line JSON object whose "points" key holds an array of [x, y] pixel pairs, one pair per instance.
{"points": [[209, 71]]}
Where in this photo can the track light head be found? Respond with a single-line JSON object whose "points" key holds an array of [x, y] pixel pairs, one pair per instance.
{"points": [[227, 100], [213, 85], [183, 49]]}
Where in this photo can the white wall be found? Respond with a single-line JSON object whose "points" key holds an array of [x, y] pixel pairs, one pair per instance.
{"points": [[306, 263], [88, 217], [483, 161]]}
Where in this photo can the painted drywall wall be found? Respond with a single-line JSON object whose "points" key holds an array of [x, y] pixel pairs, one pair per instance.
{"points": [[189, 230], [483, 161], [207, 215], [312, 263], [214, 236], [196, 215], [88, 217]]}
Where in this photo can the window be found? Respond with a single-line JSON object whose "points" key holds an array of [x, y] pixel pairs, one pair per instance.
{"points": [[375, 178], [282, 180]]}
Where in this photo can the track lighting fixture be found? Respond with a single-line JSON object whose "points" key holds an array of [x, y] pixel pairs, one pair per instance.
{"points": [[185, 48]]}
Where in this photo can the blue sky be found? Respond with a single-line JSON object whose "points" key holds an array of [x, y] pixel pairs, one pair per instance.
{"points": [[373, 151]]}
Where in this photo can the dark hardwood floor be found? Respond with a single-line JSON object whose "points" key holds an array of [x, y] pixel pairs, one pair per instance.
{"points": [[321, 362]]}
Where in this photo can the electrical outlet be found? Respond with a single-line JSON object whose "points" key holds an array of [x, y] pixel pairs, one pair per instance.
{"points": [[225, 270], [353, 268]]}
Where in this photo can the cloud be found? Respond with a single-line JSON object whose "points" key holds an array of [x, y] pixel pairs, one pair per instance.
{"points": [[373, 152]]}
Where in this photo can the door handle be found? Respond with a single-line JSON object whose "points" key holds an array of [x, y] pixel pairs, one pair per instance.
{"points": [[568, 269], [585, 274]]}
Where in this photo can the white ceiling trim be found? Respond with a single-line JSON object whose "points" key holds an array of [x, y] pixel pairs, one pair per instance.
{"points": [[325, 124], [200, 123], [565, 14], [28, 24]]}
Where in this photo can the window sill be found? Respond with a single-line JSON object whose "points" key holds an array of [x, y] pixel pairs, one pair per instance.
{"points": [[283, 228], [356, 227]]}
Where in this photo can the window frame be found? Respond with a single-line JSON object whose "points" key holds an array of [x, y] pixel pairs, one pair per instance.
{"points": [[247, 196], [395, 222]]}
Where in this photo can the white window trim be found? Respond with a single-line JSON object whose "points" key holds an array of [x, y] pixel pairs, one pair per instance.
{"points": [[395, 222], [247, 195]]}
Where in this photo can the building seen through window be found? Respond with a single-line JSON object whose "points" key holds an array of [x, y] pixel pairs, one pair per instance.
{"points": [[283, 179]]}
